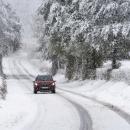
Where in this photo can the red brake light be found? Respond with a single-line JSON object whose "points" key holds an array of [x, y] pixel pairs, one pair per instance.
{"points": [[36, 84]]}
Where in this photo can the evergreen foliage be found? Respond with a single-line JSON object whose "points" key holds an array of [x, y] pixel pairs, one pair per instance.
{"points": [[83, 33]]}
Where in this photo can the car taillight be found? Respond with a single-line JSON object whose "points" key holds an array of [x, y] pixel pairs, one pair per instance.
{"points": [[36, 84], [53, 84]]}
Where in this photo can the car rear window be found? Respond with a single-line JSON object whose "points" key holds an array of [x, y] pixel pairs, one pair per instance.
{"points": [[44, 77]]}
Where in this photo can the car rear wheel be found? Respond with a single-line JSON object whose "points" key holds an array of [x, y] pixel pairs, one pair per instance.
{"points": [[54, 91], [35, 91]]}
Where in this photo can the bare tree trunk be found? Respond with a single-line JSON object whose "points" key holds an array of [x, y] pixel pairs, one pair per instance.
{"points": [[54, 65], [70, 67], [114, 59]]}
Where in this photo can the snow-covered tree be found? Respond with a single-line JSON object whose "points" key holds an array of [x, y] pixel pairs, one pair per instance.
{"points": [[10, 28], [10, 37], [83, 33]]}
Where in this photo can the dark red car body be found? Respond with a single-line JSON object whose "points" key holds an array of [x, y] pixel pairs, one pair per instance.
{"points": [[45, 84]]}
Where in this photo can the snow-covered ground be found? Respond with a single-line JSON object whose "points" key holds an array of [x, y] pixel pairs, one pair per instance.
{"points": [[66, 110], [115, 92], [23, 110], [111, 92]]}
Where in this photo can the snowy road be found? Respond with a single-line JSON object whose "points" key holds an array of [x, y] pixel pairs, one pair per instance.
{"points": [[60, 111]]}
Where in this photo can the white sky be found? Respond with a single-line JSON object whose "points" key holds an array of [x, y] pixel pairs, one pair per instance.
{"points": [[25, 9]]}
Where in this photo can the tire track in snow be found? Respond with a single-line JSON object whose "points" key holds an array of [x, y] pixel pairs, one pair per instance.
{"points": [[16, 76], [85, 118], [111, 107], [115, 109]]}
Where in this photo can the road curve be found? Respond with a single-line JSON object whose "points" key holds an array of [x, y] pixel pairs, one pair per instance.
{"points": [[115, 109], [29, 76], [21, 73], [85, 119]]}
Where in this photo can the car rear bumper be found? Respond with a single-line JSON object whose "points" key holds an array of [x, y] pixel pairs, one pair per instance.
{"points": [[44, 88]]}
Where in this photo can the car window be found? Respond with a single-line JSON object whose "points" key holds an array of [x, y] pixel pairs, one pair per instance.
{"points": [[44, 77]]}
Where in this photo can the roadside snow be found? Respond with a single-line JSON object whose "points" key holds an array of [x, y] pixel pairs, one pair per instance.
{"points": [[102, 117], [18, 109], [115, 93]]}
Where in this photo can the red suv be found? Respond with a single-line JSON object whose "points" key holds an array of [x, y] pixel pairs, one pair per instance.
{"points": [[44, 83]]}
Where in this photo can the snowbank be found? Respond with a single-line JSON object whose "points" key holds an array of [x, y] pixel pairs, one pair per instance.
{"points": [[110, 92], [18, 109], [116, 91], [102, 73], [121, 74]]}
